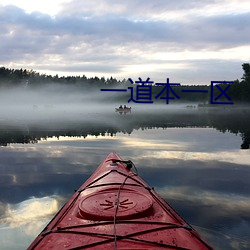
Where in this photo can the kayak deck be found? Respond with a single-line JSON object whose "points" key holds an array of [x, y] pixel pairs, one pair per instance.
{"points": [[116, 209]]}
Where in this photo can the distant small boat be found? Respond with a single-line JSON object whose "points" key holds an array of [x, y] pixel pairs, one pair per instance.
{"points": [[125, 110], [190, 106]]}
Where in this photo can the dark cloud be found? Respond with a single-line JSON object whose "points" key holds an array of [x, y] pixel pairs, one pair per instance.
{"points": [[225, 31], [220, 30]]}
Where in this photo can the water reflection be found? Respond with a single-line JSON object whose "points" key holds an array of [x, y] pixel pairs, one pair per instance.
{"points": [[200, 171], [31, 210], [103, 123], [21, 221]]}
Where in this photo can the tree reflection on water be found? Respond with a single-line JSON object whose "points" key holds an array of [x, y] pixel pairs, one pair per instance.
{"points": [[236, 121]]}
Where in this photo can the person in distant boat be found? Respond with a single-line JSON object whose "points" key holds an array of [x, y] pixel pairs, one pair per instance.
{"points": [[120, 107], [125, 106]]}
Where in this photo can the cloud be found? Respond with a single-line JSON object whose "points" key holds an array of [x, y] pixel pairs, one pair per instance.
{"points": [[29, 210], [26, 220], [144, 10], [93, 37]]}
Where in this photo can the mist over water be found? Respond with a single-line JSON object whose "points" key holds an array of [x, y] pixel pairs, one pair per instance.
{"points": [[52, 103], [63, 104], [90, 111]]}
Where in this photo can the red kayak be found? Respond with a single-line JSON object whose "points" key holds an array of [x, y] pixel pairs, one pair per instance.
{"points": [[116, 209]]}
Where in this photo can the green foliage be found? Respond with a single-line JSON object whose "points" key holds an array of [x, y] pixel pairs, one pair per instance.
{"points": [[246, 75]]}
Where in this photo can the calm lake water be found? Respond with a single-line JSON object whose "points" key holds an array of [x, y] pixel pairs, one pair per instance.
{"points": [[197, 160]]}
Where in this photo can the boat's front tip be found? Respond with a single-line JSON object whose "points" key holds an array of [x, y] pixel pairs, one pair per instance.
{"points": [[112, 162], [112, 156], [116, 162]]}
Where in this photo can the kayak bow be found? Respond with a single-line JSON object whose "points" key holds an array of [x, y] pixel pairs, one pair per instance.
{"points": [[116, 209]]}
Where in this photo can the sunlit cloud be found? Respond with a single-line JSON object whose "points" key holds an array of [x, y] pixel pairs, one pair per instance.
{"points": [[229, 203], [149, 145], [236, 157], [46, 6], [29, 212], [21, 223], [225, 54]]}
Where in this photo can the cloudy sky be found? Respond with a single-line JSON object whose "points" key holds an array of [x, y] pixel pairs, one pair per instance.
{"points": [[190, 42]]}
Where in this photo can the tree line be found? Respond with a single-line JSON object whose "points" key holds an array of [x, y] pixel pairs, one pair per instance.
{"points": [[31, 78], [239, 91]]}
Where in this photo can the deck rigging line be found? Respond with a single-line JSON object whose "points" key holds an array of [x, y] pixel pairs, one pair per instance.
{"points": [[130, 174]]}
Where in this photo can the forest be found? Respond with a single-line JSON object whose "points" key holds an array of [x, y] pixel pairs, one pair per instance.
{"points": [[238, 91]]}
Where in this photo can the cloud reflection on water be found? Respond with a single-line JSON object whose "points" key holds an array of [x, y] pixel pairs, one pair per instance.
{"points": [[28, 211], [21, 222], [208, 185]]}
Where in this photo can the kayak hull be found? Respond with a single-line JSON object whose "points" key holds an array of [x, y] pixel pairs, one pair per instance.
{"points": [[116, 209]]}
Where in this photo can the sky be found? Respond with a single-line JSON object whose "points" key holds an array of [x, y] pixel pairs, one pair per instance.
{"points": [[189, 42]]}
